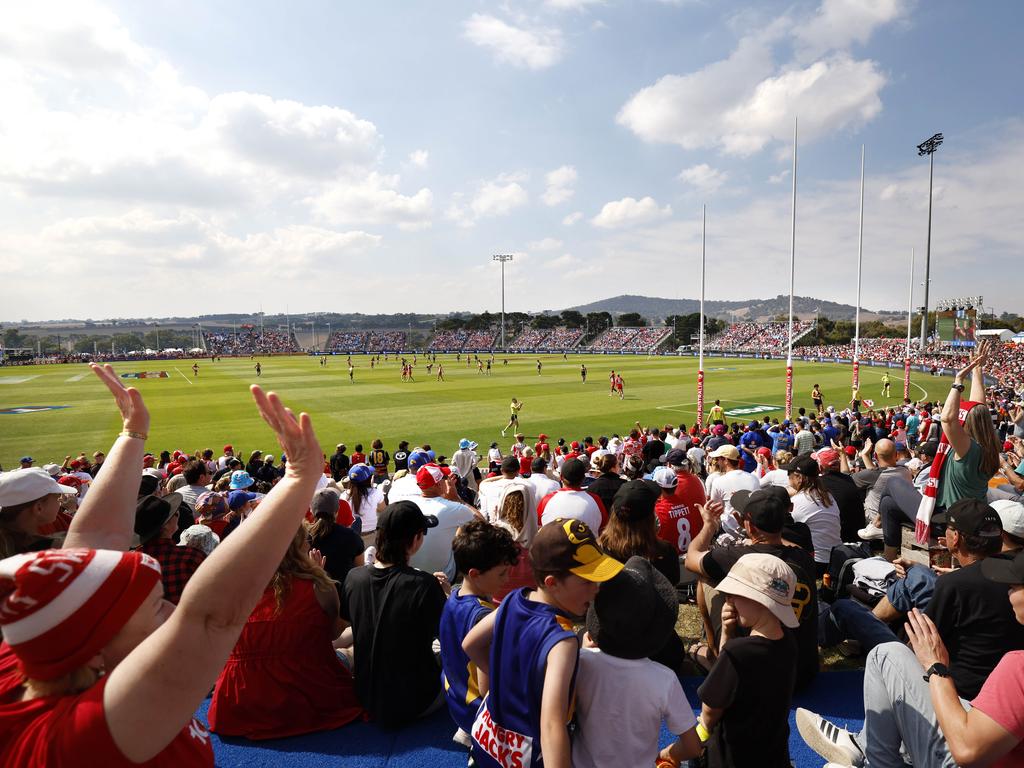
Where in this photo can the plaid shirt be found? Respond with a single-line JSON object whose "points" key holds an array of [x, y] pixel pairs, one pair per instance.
{"points": [[177, 564]]}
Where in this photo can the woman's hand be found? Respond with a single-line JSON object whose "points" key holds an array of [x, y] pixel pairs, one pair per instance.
{"points": [[134, 414], [730, 620], [924, 639], [318, 558], [294, 435], [443, 581]]}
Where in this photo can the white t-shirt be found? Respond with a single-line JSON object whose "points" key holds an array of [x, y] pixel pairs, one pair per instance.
{"points": [[436, 552], [404, 488], [367, 507], [620, 704], [823, 522], [569, 502], [724, 486], [494, 455], [542, 485], [492, 491], [779, 477], [463, 461]]}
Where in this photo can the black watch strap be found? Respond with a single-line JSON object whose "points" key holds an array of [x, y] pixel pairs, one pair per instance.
{"points": [[938, 668], [957, 387]]}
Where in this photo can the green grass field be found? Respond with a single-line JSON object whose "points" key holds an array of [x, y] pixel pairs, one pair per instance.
{"points": [[215, 408]]}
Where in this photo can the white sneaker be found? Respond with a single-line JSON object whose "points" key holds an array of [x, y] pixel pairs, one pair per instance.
{"points": [[835, 744], [870, 532]]}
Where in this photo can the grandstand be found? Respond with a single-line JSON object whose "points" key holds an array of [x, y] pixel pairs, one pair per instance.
{"points": [[386, 341], [757, 337], [530, 338], [448, 340], [556, 340], [250, 340], [346, 341], [630, 340], [481, 339]]}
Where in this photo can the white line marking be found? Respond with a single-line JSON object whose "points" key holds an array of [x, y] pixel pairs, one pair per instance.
{"points": [[186, 378], [17, 379], [79, 377]]}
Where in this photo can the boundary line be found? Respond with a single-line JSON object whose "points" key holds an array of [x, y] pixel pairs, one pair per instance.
{"points": [[186, 378], [78, 377]]}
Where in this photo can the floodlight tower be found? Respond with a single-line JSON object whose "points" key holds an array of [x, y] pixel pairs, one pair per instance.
{"points": [[502, 258], [928, 147]]}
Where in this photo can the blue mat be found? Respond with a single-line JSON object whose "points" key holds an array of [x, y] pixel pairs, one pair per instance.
{"points": [[428, 744]]}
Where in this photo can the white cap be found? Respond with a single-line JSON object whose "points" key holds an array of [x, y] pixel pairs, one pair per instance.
{"points": [[1011, 513], [52, 469], [24, 485]]}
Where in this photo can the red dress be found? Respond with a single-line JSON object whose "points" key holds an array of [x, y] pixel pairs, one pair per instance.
{"points": [[283, 678]]}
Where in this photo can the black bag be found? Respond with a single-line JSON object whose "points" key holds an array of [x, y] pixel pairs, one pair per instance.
{"points": [[839, 574]]}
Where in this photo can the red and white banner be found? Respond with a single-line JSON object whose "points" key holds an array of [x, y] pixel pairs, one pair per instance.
{"points": [[856, 374], [906, 379], [789, 391], [700, 398]]}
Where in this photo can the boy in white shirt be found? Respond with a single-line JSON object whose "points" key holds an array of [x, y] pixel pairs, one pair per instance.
{"points": [[621, 695]]}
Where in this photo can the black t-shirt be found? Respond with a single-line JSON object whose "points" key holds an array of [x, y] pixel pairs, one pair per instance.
{"points": [[975, 620], [752, 680], [395, 614], [605, 487], [379, 459], [401, 461], [720, 560], [653, 449], [340, 462], [850, 500], [340, 547]]}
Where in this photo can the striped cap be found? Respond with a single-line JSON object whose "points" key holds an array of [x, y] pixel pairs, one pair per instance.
{"points": [[60, 607]]}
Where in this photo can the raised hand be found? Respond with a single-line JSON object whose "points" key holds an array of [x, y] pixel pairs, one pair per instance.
{"points": [[711, 512], [318, 557], [730, 621], [294, 435], [134, 413]]}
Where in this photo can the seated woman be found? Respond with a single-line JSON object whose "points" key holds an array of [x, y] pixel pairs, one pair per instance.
{"points": [[814, 505], [30, 502], [93, 678], [283, 678]]}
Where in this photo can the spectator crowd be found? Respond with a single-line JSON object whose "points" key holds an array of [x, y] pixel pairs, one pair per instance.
{"points": [[549, 572]]}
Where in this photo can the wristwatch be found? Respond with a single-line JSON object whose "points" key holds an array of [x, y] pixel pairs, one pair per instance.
{"points": [[938, 668], [957, 387]]}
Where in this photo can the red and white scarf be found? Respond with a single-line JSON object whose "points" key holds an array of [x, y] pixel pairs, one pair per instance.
{"points": [[923, 523]]}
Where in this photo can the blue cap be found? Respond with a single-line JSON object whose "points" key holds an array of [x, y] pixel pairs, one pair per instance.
{"points": [[786, 422], [432, 455], [360, 473], [417, 459], [237, 499], [465, 443], [26, 460], [240, 479]]}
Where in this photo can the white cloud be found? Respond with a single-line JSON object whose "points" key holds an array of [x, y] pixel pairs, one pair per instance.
{"points": [[839, 23], [704, 177], [498, 199], [546, 244], [748, 100], [572, 218], [559, 185], [628, 212], [572, 5], [420, 158], [529, 48], [778, 178], [374, 200]]}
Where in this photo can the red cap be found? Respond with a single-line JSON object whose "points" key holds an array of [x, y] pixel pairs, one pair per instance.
{"points": [[542, 436], [60, 607], [430, 475], [850, 450], [228, 448], [764, 451], [575, 444]]}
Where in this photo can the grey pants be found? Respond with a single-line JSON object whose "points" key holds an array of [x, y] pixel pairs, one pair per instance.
{"points": [[898, 713]]}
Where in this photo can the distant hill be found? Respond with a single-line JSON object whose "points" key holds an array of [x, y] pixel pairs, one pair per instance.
{"points": [[751, 309]]}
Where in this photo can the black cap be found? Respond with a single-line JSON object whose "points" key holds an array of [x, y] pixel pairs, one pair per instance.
{"points": [[148, 485], [1004, 569], [804, 465], [635, 499], [635, 613], [573, 471], [538, 465], [929, 448], [767, 509], [973, 517], [403, 520], [675, 457], [510, 464], [152, 512]]}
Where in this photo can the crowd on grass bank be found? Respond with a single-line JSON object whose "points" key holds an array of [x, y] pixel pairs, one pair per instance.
{"points": [[549, 572]]}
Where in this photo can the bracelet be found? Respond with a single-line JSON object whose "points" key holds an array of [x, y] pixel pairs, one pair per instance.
{"points": [[957, 387], [702, 732], [134, 435]]}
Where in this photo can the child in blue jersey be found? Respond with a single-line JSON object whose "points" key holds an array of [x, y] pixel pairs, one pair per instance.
{"points": [[484, 554], [528, 652]]}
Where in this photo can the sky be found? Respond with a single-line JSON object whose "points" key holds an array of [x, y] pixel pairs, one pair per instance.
{"points": [[181, 158]]}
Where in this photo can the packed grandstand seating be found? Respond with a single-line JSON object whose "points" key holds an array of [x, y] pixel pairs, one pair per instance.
{"points": [[756, 337], [448, 340], [563, 338], [648, 339], [614, 339], [481, 339], [386, 341], [250, 340], [346, 341], [530, 338]]}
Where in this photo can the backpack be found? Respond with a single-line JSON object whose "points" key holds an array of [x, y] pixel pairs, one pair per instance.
{"points": [[839, 574]]}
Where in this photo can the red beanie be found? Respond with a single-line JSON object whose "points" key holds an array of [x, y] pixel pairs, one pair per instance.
{"points": [[60, 607]]}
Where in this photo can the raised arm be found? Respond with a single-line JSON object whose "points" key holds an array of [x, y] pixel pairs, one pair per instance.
{"points": [[147, 700], [711, 513], [978, 374], [106, 518], [954, 431]]}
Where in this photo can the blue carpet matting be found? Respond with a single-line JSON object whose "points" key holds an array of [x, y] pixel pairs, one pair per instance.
{"points": [[427, 743]]}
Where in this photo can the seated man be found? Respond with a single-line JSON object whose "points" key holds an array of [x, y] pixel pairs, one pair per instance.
{"points": [[914, 709], [156, 522], [440, 500], [572, 501]]}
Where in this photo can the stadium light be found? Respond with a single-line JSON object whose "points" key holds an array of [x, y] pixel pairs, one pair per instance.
{"points": [[502, 258], [928, 147]]}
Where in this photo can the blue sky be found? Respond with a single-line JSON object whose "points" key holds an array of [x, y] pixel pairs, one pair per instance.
{"points": [[167, 158]]}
